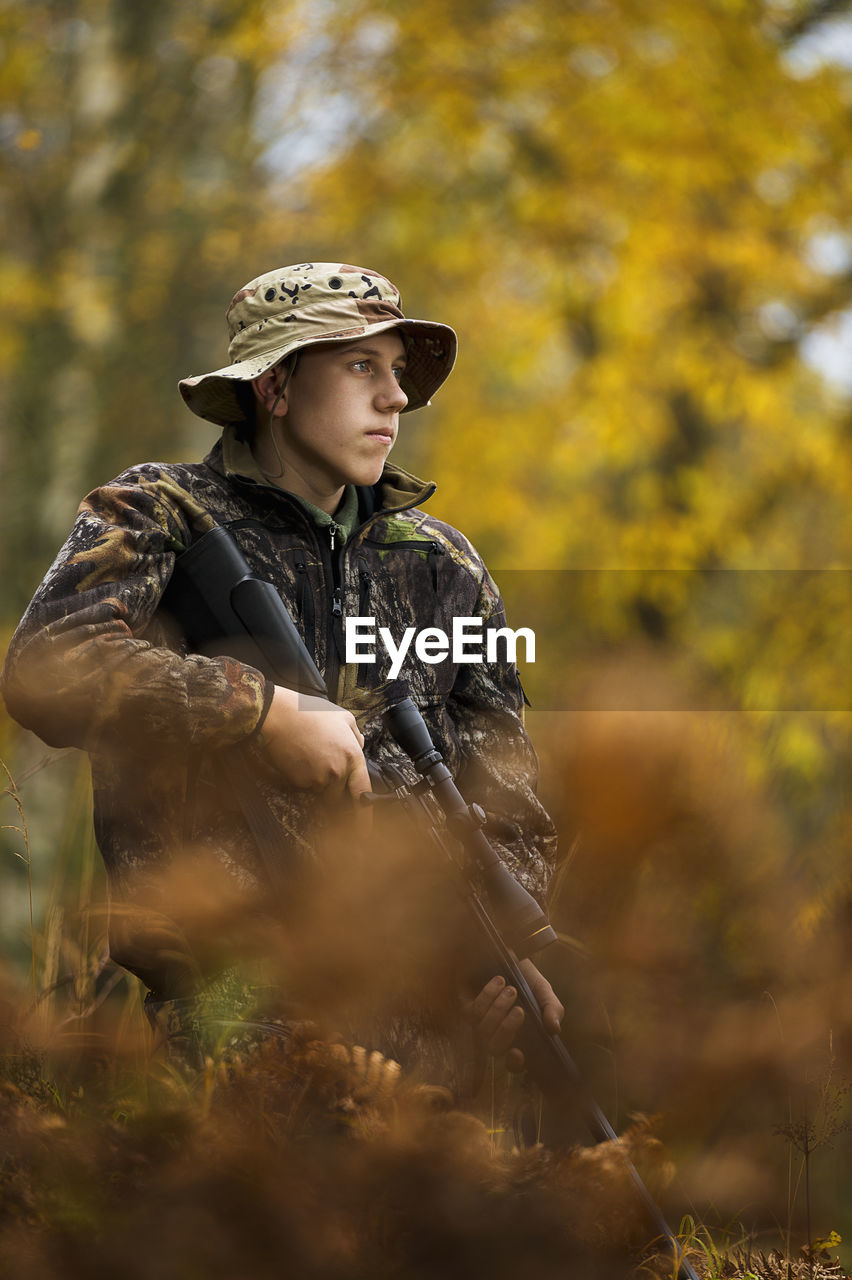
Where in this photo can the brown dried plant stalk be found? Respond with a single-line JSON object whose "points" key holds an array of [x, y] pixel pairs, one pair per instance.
{"points": [[822, 1118]]}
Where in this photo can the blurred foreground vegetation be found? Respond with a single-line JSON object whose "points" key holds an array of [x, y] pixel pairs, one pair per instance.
{"points": [[637, 217]]}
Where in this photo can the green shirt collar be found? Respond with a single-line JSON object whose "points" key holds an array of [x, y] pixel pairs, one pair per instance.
{"points": [[345, 517]]}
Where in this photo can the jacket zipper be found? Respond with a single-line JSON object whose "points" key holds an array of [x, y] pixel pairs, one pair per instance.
{"points": [[434, 551], [334, 630], [408, 543], [364, 579], [334, 638], [364, 588]]}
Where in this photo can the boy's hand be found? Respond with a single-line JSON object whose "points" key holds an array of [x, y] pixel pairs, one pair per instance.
{"points": [[314, 744], [498, 1018]]}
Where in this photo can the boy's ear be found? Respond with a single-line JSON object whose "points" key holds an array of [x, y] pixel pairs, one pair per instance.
{"points": [[266, 389]]}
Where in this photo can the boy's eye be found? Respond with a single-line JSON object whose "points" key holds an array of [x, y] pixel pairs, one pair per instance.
{"points": [[365, 365]]}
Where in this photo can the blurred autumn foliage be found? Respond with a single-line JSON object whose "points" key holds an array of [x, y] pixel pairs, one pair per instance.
{"points": [[636, 215]]}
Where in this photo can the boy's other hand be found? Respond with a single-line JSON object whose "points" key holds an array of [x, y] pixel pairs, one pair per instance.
{"points": [[315, 745], [498, 1018]]}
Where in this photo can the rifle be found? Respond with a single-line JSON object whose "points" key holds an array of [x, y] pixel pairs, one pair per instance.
{"points": [[225, 609]]}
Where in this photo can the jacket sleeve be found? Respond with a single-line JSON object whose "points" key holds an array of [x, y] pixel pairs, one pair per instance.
{"points": [[91, 666], [499, 767]]}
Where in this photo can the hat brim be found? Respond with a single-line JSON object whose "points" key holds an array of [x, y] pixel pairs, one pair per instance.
{"points": [[430, 355]]}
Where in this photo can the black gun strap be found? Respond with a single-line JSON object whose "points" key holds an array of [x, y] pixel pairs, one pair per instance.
{"points": [[274, 846]]}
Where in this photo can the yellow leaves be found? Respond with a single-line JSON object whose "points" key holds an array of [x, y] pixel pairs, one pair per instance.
{"points": [[155, 261], [797, 744], [29, 140], [25, 293], [220, 244], [87, 303]]}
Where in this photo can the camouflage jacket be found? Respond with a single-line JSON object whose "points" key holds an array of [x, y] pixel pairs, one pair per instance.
{"points": [[95, 663]]}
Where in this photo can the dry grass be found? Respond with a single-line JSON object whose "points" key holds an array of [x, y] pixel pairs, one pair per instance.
{"points": [[302, 1153]]}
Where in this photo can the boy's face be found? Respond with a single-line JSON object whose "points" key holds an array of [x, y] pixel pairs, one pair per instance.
{"points": [[339, 416]]}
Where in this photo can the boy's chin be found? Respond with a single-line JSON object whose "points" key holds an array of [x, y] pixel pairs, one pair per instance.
{"points": [[367, 476]]}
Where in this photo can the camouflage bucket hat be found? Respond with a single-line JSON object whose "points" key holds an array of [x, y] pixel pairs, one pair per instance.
{"points": [[293, 307]]}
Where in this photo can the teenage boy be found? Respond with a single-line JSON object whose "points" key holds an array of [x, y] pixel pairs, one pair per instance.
{"points": [[322, 364]]}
